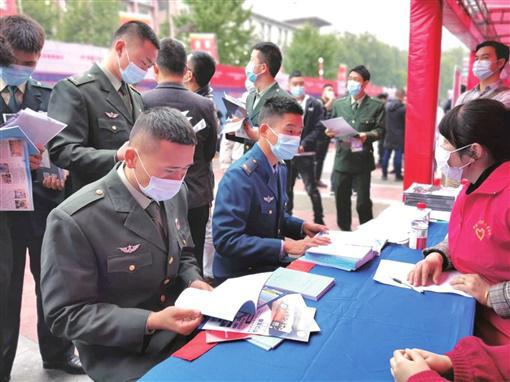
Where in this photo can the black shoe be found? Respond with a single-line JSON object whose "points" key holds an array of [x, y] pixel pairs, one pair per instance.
{"points": [[399, 178], [321, 184], [384, 177], [71, 365]]}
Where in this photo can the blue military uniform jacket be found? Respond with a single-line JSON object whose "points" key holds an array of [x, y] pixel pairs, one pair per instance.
{"points": [[249, 220]]}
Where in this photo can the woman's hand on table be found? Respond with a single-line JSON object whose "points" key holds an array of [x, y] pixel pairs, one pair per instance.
{"points": [[426, 270], [474, 285]]}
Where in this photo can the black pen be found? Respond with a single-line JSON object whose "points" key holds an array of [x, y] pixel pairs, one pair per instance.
{"points": [[407, 285]]}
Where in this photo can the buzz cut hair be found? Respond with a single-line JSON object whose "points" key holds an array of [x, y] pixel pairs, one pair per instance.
{"points": [[136, 29], [277, 106], [164, 124]]}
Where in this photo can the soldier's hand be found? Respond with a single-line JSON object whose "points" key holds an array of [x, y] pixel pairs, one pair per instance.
{"points": [[199, 284], [329, 133], [53, 183], [35, 160], [363, 137], [312, 229], [297, 248], [252, 132], [121, 152], [173, 319]]}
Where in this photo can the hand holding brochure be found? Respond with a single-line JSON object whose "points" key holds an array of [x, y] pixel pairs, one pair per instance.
{"points": [[37, 126], [225, 301], [340, 127], [389, 271]]}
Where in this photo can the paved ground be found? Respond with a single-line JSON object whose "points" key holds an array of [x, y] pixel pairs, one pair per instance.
{"points": [[28, 365]]}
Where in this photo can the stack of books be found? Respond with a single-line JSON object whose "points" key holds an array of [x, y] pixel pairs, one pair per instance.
{"points": [[435, 197], [348, 251]]}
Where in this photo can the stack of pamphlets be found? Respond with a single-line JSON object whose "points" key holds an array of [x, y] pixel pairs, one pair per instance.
{"points": [[435, 197]]}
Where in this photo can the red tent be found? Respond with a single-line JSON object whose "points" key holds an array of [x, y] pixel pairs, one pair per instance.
{"points": [[472, 21]]}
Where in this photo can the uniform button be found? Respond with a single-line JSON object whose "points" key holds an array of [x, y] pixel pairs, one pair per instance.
{"points": [[183, 241], [132, 267], [254, 161], [170, 261], [162, 298], [99, 192], [353, 121], [167, 280], [270, 212], [114, 128]]}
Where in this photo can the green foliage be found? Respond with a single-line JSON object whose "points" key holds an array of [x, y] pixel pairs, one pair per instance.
{"points": [[306, 48], [449, 59], [224, 18], [387, 64], [83, 21], [46, 12]]}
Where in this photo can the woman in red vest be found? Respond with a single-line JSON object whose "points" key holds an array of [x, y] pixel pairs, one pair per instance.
{"points": [[476, 147]]}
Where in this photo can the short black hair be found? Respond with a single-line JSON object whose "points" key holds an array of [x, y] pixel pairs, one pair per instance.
{"points": [[484, 121], [295, 73], [270, 55], [382, 96], [23, 33], [362, 71], [137, 29], [203, 67], [502, 51], [327, 86], [171, 56], [164, 123], [6, 54], [277, 106]]}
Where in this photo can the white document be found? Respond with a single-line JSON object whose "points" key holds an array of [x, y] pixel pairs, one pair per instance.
{"points": [[199, 126], [232, 126], [347, 244], [225, 301], [36, 125], [393, 224], [340, 127], [441, 216], [390, 270]]}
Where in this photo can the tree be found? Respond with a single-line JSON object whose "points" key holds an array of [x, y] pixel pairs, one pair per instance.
{"points": [[306, 48], [89, 21], [449, 59], [226, 19], [46, 13]]}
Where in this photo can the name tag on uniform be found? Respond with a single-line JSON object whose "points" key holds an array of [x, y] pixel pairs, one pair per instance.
{"points": [[356, 145]]}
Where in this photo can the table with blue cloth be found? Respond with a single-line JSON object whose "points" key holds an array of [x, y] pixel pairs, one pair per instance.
{"points": [[362, 322]]}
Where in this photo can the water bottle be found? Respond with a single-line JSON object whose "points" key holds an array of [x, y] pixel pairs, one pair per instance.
{"points": [[419, 227]]}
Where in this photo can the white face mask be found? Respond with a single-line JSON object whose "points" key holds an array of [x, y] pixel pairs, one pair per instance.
{"points": [[159, 189], [131, 74], [442, 158]]}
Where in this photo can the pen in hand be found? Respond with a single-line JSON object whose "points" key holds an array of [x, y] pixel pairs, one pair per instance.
{"points": [[407, 285]]}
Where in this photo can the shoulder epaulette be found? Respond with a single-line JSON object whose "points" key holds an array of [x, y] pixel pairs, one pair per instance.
{"points": [[249, 166], [81, 200], [87, 77]]}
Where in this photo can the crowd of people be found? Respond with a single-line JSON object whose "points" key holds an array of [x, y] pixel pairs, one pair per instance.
{"points": [[132, 223]]}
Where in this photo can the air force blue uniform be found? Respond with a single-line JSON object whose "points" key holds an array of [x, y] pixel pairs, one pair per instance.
{"points": [[249, 221]]}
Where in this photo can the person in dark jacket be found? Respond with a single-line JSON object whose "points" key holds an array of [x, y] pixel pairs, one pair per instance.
{"points": [[170, 69], [303, 162], [395, 131]]}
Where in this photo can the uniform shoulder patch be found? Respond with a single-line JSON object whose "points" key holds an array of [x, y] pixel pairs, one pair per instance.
{"points": [[82, 199], [39, 84], [249, 166], [83, 79]]}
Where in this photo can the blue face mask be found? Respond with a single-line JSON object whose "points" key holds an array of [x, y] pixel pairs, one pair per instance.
{"points": [[132, 74], [482, 69], [353, 87], [286, 147], [297, 91], [249, 71], [15, 75]]}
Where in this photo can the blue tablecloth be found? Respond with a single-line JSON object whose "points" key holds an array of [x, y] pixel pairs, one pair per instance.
{"points": [[362, 322]]}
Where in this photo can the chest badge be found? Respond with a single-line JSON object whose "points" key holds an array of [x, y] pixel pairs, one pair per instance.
{"points": [[111, 114], [129, 249], [482, 230], [268, 199]]}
